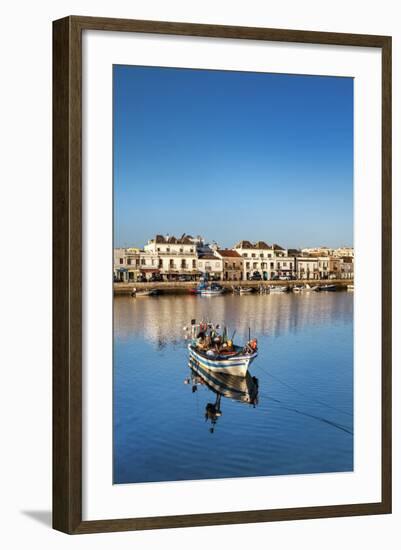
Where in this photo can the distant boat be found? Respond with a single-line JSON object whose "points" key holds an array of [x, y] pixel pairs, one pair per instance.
{"points": [[245, 290], [298, 288], [212, 290], [139, 293], [278, 288], [198, 289], [330, 288]]}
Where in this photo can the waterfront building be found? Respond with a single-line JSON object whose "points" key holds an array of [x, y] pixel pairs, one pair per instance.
{"points": [[268, 261], [127, 264], [167, 258], [211, 265], [347, 267], [171, 257], [232, 264], [307, 267]]}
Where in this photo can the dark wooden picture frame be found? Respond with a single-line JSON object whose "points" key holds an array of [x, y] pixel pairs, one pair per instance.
{"points": [[67, 274]]}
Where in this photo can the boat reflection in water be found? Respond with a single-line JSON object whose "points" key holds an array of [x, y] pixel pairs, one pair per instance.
{"points": [[243, 389]]}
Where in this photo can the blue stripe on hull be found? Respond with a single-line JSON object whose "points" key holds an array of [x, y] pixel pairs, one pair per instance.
{"points": [[232, 366]]}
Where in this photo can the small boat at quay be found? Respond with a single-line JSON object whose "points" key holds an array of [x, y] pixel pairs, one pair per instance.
{"points": [[139, 293], [273, 289], [217, 352], [198, 289], [242, 289], [212, 290], [329, 288]]}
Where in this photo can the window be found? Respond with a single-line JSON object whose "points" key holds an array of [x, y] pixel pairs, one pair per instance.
{"points": [[245, 255], [261, 255], [167, 249], [285, 264], [121, 260], [129, 261], [171, 263], [193, 264], [158, 249], [253, 255], [183, 264], [271, 265], [248, 265], [143, 262]]}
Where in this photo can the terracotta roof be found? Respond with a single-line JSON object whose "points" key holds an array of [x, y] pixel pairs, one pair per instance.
{"points": [[172, 240], [229, 253], [277, 247], [244, 244], [262, 245]]}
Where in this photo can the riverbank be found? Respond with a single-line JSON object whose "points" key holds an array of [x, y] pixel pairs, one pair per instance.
{"points": [[181, 287]]}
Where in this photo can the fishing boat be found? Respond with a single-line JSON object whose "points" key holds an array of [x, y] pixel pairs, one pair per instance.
{"points": [[218, 353], [329, 288]]}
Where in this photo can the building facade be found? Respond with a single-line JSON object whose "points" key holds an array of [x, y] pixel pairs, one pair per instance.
{"points": [[233, 269], [167, 258]]}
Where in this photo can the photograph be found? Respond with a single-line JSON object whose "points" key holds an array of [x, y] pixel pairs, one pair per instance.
{"points": [[232, 274]]}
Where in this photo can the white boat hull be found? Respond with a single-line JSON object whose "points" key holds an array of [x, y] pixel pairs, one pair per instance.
{"points": [[236, 365]]}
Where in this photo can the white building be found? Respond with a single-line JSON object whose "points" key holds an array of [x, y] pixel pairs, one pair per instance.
{"points": [[268, 261], [171, 256]]}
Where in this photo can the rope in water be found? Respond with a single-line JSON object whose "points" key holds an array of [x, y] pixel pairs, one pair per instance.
{"points": [[304, 394]]}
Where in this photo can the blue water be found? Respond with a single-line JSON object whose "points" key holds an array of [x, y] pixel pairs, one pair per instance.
{"points": [[296, 418]]}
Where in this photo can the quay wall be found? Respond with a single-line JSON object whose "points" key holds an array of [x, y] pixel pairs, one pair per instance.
{"points": [[181, 287]]}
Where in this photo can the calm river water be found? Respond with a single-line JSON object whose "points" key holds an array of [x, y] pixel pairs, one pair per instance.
{"points": [[292, 415]]}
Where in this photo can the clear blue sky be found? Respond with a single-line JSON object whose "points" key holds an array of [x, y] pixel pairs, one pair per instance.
{"points": [[231, 156]]}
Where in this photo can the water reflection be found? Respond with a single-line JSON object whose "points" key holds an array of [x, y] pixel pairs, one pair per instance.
{"points": [[160, 319], [237, 388], [296, 418]]}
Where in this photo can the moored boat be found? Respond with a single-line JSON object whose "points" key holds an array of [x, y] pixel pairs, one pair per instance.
{"points": [[278, 288], [212, 290], [149, 292], [245, 290], [330, 288]]}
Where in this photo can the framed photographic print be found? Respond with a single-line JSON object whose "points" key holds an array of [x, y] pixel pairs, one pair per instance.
{"points": [[222, 274]]}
